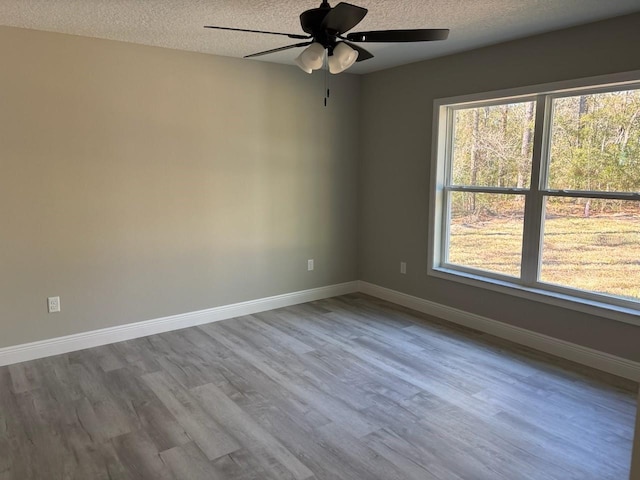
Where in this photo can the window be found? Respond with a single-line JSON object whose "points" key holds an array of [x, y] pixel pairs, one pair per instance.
{"points": [[539, 193]]}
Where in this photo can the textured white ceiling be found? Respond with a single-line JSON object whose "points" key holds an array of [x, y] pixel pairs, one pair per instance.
{"points": [[178, 23]]}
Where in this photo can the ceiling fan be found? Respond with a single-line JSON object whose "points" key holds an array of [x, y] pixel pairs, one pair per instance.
{"points": [[325, 27]]}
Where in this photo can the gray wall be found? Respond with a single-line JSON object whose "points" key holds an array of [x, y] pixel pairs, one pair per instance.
{"points": [[139, 182], [635, 456], [397, 109]]}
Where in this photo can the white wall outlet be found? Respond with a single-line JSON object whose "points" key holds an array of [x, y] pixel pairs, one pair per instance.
{"points": [[310, 264], [403, 268], [53, 304]]}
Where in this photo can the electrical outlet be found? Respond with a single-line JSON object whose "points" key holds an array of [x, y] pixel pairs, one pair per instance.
{"points": [[53, 304], [403, 268], [310, 264]]}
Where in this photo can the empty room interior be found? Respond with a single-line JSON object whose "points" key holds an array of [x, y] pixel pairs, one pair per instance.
{"points": [[404, 247]]}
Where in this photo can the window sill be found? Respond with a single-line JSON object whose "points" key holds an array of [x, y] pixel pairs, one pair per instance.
{"points": [[591, 307]]}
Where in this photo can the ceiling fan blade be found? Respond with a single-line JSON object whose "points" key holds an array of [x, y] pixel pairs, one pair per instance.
{"points": [[362, 53], [420, 35], [290, 35], [303, 44], [343, 17]]}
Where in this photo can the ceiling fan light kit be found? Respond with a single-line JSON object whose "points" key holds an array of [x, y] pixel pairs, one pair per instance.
{"points": [[325, 27]]}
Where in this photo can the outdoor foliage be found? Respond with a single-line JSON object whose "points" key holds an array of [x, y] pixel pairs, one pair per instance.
{"points": [[588, 243], [493, 145], [596, 142], [595, 145]]}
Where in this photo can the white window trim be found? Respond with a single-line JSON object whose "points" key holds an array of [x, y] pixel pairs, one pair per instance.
{"points": [[592, 304]]}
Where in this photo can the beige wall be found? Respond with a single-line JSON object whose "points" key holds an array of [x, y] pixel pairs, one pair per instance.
{"points": [[139, 182], [397, 108]]}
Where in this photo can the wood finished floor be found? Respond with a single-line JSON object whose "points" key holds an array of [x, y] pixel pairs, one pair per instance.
{"points": [[345, 388]]}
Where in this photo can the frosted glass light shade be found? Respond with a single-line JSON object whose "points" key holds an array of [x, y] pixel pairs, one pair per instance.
{"points": [[312, 57], [343, 57], [301, 64]]}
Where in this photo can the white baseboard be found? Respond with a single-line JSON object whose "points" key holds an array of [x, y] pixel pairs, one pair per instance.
{"points": [[560, 348], [80, 341], [570, 351]]}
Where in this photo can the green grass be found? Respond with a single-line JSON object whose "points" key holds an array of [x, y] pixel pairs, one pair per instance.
{"points": [[598, 253]]}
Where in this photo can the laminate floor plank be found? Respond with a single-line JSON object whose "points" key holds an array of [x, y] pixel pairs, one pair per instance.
{"points": [[181, 360], [614, 399], [311, 372], [20, 382], [44, 438], [353, 371], [242, 465], [134, 354], [248, 379], [347, 305], [471, 351], [561, 424], [553, 451], [357, 391], [58, 380], [501, 451], [278, 322], [268, 449], [213, 440], [347, 388], [161, 426], [358, 452], [189, 462], [323, 324], [383, 361], [108, 358], [324, 403], [277, 337], [414, 461], [458, 431], [370, 324], [302, 439], [139, 454]]}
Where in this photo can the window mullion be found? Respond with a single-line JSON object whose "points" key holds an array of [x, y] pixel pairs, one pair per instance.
{"points": [[448, 174], [534, 205]]}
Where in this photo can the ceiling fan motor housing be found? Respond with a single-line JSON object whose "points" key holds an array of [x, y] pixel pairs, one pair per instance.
{"points": [[311, 22]]}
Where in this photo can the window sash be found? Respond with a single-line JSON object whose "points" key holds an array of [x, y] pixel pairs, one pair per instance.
{"points": [[444, 112]]}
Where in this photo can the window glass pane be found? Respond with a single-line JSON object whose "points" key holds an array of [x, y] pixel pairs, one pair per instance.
{"points": [[486, 231], [492, 146], [593, 245], [595, 142]]}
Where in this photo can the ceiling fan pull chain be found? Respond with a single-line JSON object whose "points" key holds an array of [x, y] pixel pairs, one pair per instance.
{"points": [[326, 79]]}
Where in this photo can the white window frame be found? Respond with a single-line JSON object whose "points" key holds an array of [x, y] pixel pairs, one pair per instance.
{"points": [[527, 286]]}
